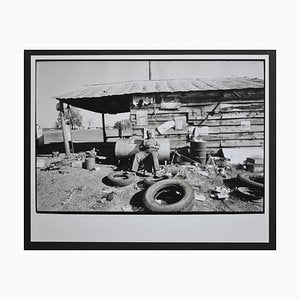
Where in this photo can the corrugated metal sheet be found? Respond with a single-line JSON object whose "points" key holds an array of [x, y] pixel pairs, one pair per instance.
{"points": [[163, 86]]}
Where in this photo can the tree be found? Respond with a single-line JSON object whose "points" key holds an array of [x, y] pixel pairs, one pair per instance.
{"points": [[72, 117], [123, 124], [57, 124], [90, 122], [75, 117]]}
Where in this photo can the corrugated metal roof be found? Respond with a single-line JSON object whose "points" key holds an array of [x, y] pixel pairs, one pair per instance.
{"points": [[163, 86]]}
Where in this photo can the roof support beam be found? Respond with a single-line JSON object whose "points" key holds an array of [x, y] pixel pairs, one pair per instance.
{"points": [[150, 73], [103, 128], [64, 129]]}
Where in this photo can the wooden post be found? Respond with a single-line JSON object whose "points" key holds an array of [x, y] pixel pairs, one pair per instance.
{"points": [[64, 129], [150, 74], [70, 124], [103, 128]]}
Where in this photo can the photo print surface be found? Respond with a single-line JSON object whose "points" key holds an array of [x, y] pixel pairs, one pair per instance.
{"points": [[150, 136]]}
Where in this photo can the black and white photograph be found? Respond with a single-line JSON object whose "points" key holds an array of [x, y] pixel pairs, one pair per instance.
{"points": [[150, 148], [150, 135]]}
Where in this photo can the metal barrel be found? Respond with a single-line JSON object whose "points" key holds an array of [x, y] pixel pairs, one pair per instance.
{"points": [[89, 163], [198, 151], [126, 148]]}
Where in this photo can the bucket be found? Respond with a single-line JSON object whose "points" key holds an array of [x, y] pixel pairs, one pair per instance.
{"points": [[127, 148], [89, 163], [198, 151]]}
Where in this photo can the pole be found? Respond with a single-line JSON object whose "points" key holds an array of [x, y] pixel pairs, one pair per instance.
{"points": [[64, 130], [150, 75], [70, 124], [103, 128]]}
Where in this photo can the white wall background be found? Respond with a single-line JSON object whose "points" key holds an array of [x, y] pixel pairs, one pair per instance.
{"points": [[149, 25]]}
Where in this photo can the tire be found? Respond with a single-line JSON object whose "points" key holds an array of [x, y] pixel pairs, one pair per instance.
{"points": [[186, 203], [151, 180], [120, 178], [253, 181]]}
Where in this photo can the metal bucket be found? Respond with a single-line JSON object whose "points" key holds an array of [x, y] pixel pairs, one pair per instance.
{"points": [[89, 163], [198, 151], [127, 148]]}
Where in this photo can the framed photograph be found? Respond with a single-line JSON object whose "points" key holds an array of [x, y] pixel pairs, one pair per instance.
{"points": [[158, 149]]}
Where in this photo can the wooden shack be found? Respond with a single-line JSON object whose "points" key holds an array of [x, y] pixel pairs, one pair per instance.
{"points": [[225, 112]]}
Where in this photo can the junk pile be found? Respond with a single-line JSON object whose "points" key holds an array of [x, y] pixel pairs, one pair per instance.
{"points": [[254, 164], [194, 180], [83, 160], [87, 160], [220, 193]]}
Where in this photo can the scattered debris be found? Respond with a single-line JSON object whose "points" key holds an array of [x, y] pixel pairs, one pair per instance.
{"points": [[203, 173], [40, 163], [137, 187], [199, 197], [96, 169], [211, 161], [94, 202], [77, 164], [110, 196], [69, 199], [91, 153], [100, 158], [220, 193], [222, 172], [208, 181], [109, 190], [127, 208], [108, 193], [51, 167], [219, 189], [80, 156], [190, 167], [55, 154], [254, 164]]}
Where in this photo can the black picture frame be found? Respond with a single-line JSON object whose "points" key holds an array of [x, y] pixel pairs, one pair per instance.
{"points": [[33, 245]]}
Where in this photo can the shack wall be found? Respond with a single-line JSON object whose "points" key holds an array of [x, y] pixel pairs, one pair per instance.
{"points": [[228, 119]]}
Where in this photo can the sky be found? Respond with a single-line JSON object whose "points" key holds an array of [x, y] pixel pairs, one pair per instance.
{"points": [[55, 78]]}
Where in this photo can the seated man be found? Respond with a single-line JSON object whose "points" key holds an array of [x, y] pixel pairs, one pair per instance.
{"points": [[149, 147]]}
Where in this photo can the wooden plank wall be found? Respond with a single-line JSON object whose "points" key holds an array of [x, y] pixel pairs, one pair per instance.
{"points": [[223, 118]]}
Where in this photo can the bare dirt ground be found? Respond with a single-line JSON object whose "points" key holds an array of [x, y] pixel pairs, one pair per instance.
{"points": [[79, 190]]}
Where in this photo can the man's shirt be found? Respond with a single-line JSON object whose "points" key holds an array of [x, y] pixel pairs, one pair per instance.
{"points": [[150, 144]]}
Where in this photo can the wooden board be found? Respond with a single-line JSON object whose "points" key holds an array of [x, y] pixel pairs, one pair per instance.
{"points": [[242, 143], [229, 107], [235, 136], [224, 126], [233, 122], [154, 126], [234, 144], [202, 103], [221, 116], [234, 129]]}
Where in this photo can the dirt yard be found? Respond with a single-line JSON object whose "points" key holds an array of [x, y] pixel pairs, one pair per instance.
{"points": [[79, 190]]}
